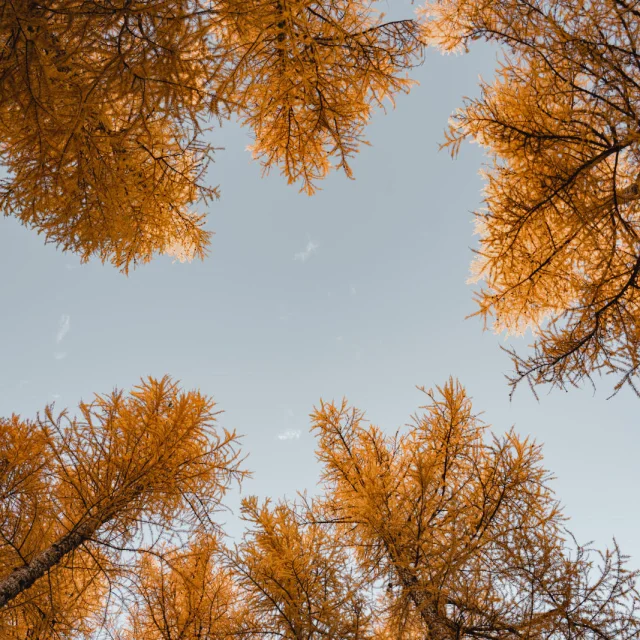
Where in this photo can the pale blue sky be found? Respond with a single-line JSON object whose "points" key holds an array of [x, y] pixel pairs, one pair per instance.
{"points": [[376, 307]]}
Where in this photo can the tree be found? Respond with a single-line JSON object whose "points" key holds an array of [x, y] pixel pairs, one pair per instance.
{"points": [[80, 498], [100, 109], [307, 74], [463, 531], [103, 107], [559, 245]]}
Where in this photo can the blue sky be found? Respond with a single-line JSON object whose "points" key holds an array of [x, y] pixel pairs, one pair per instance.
{"points": [[359, 291]]}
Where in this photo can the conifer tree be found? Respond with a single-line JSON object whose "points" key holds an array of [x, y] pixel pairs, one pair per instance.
{"points": [[463, 530], [104, 107], [295, 578], [559, 237], [82, 497], [184, 592]]}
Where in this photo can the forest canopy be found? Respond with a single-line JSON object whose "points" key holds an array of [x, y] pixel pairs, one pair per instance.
{"points": [[109, 529], [559, 236], [105, 109]]}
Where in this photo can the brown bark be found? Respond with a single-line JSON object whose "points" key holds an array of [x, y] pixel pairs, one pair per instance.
{"points": [[23, 577], [438, 625]]}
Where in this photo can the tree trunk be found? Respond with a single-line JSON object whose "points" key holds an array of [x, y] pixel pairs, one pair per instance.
{"points": [[24, 577], [439, 628]]}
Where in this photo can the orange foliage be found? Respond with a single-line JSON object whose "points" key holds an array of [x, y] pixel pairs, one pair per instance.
{"points": [[307, 73], [559, 239], [78, 496], [436, 532], [462, 530], [184, 593], [103, 106]]}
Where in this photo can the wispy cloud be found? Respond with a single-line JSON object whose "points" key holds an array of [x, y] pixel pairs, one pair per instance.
{"points": [[303, 256], [60, 355], [63, 327], [289, 434]]}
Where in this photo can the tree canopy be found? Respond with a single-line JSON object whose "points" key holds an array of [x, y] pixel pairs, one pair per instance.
{"points": [[443, 530], [108, 530], [80, 495], [559, 245], [104, 107]]}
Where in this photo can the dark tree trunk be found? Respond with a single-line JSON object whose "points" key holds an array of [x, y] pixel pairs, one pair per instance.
{"points": [[23, 577], [439, 626]]}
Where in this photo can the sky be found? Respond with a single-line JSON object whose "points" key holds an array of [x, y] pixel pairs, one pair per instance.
{"points": [[359, 291]]}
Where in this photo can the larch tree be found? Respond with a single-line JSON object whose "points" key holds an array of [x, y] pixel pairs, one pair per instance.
{"points": [[559, 236], [307, 74], [104, 106], [82, 497], [462, 530], [100, 107]]}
